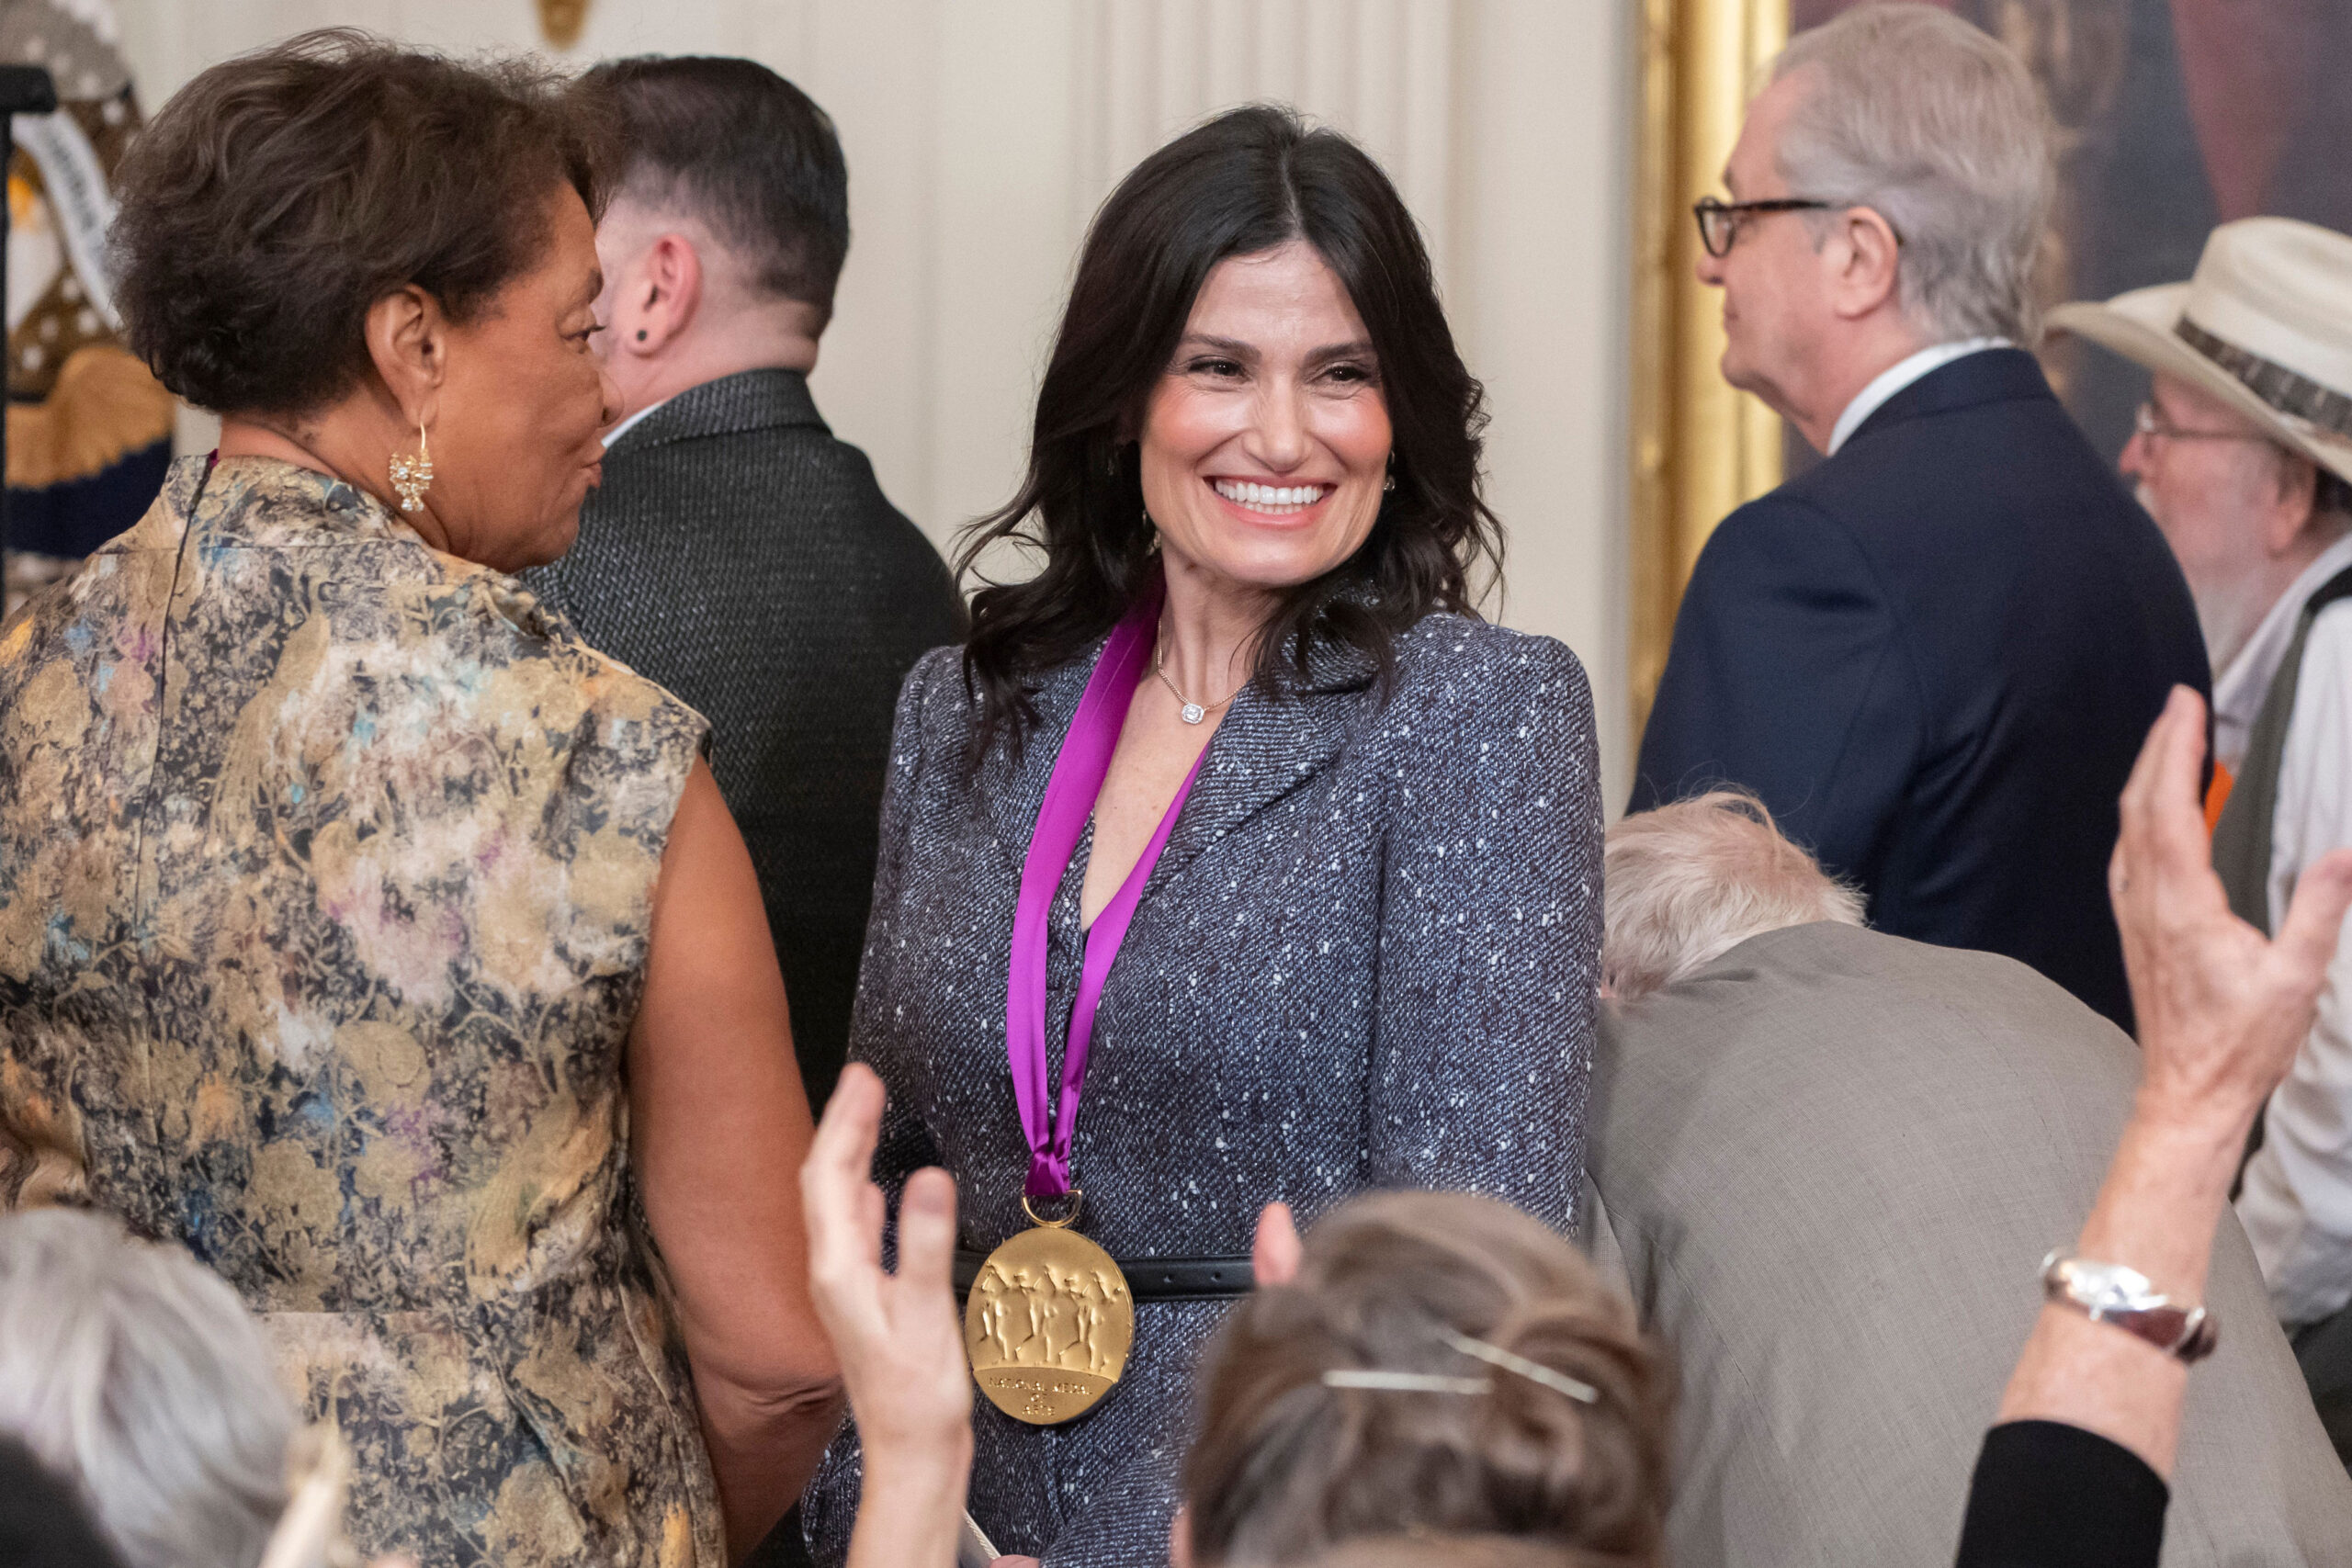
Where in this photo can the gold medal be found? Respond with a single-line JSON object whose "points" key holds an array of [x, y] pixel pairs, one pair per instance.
{"points": [[1049, 1323]]}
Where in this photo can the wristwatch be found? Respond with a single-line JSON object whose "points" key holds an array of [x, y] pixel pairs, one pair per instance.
{"points": [[2108, 1293]]}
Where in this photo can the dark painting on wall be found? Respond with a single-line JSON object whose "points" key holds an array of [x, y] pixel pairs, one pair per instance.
{"points": [[2173, 116]]}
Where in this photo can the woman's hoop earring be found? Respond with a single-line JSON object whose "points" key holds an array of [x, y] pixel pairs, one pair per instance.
{"points": [[1390, 482], [413, 476]]}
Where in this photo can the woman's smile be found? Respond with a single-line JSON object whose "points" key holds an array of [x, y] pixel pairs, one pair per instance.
{"points": [[1262, 502]]}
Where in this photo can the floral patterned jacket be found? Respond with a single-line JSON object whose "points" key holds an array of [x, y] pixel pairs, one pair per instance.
{"points": [[326, 863]]}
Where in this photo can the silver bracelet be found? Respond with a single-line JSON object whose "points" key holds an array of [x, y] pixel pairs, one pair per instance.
{"points": [[2111, 1294]]}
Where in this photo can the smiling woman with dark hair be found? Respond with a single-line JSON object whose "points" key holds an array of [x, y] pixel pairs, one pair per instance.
{"points": [[1328, 229], [1243, 733]]}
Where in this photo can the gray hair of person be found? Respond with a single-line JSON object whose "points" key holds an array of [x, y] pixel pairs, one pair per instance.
{"points": [[136, 1373], [1936, 126], [1685, 884], [2331, 492]]}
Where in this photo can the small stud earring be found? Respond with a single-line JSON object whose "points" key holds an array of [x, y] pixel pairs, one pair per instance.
{"points": [[641, 334], [413, 476]]}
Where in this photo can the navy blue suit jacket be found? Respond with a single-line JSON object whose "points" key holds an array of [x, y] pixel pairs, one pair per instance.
{"points": [[1935, 656]]}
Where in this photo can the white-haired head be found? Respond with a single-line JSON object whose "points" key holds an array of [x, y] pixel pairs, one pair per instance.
{"points": [[135, 1372], [1686, 883], [1935, 126]]}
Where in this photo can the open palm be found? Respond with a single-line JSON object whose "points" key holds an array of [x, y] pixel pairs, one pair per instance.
{"points": [[2221, 1007]]}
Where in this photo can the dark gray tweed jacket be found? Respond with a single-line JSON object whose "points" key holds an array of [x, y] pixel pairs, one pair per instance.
{"points": [[740, 555], [1365, 959]]}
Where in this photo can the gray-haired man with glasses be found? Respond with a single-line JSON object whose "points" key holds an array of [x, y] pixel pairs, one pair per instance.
{"points": [[1933, 655]]}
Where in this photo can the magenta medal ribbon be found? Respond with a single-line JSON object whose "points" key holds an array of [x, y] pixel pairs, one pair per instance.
{"points": [[1079, 771]]}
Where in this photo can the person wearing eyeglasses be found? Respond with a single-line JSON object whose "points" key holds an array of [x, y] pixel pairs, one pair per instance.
{"points": [[2244, 457], [1933, 655]]}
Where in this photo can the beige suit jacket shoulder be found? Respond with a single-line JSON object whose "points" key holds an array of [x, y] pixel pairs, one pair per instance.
{"points": [[1831, 1161]]}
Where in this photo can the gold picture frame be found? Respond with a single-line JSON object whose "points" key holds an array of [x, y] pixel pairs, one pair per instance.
{"points": [[1699, 449], [560, 21]]}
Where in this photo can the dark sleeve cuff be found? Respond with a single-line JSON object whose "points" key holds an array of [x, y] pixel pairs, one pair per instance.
{"points": [[2048, 1493]]}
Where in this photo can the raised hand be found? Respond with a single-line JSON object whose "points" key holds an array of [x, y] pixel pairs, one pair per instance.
{"points": [[2222, 1010], [2221, 1007], [898, 1336]]}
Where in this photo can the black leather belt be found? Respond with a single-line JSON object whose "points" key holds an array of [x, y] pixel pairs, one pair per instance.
{"points": [[1151, 1278]]}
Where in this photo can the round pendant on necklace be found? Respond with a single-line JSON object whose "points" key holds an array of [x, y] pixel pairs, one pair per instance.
{"points": [[1193, 713], [1048, 1325]]}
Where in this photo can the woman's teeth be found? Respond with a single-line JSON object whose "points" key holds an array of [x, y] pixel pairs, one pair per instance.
{"points": [[1275, 501]]}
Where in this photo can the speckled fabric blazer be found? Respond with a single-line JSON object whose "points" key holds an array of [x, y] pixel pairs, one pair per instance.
{"points": [[1365, 959], [745, 558], [326, 864]]}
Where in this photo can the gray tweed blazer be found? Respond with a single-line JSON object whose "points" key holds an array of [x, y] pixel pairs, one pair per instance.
{"points": [[1366, 959], [745, 558]]}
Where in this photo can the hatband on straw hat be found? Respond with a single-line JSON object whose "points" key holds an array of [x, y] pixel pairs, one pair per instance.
{"points": [[2265, 327]]}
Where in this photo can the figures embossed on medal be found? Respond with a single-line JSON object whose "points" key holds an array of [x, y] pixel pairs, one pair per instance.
{"points": [[1049, 1326]]}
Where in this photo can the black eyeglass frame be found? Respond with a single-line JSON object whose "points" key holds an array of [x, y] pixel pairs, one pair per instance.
{"points": [[1710, 212]]}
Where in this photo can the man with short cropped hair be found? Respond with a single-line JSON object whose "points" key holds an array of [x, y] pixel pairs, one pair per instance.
{"points": [[1934, 654], [737, 553], [2244, 457], [1830, 1163]]}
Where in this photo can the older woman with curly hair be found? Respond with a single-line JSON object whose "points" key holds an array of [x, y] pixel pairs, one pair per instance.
{"points": [[361, 929], [1234, 858]]}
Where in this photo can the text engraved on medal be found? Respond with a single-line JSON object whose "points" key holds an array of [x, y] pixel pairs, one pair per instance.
{"points": [[1049, 1326]]}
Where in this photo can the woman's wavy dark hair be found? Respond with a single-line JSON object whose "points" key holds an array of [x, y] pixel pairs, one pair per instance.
{"points": [[1242, 184]]}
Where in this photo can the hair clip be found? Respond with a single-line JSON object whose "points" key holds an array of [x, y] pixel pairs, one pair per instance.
{"points": [[1403, 1382], [1438, 1382], [1536, 1371]]}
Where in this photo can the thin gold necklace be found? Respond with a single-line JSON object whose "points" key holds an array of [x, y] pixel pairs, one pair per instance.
{"points": [[1187, 709]]}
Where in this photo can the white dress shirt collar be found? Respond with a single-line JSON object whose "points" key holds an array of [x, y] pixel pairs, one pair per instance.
{"points": [[2239, 690], [1896, 377], [624, 426]]}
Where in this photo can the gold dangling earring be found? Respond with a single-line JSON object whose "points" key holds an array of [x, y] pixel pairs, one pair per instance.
{"points": [[413, 476]]}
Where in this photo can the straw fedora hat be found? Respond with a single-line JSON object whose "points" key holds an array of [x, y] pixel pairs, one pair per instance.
{"points": [[2265, 326]]}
